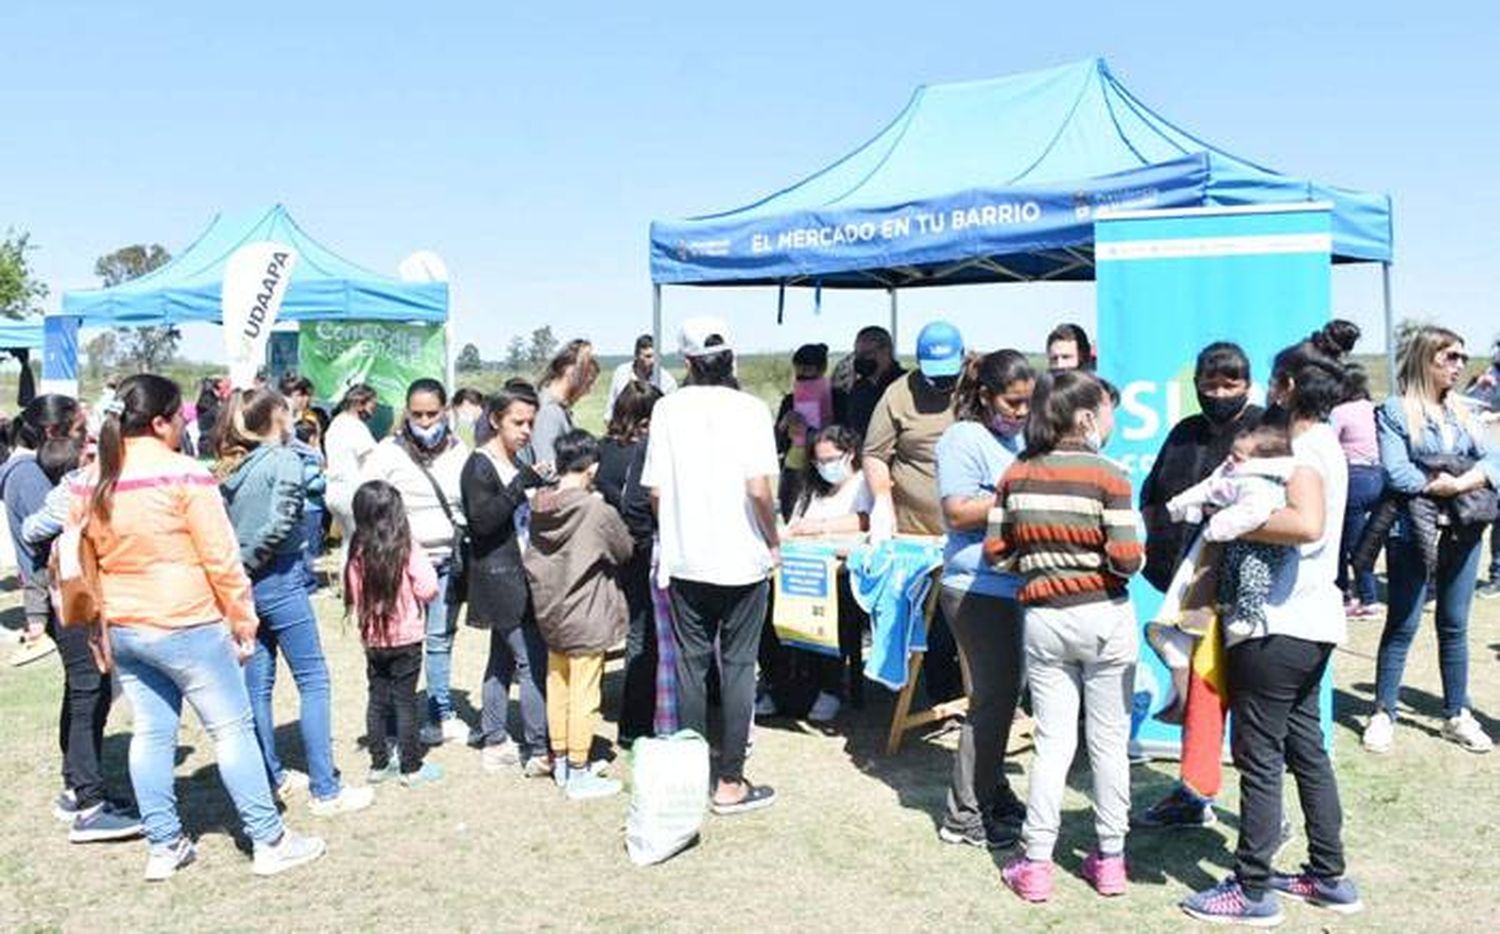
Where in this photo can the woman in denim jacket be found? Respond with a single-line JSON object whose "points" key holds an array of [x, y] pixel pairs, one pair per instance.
{"points": [[1432, 363]]}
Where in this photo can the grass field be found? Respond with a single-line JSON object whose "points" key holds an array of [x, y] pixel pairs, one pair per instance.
{"points": [[851, 844]]}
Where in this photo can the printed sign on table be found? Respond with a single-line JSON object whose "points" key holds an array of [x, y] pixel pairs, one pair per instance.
{"points": [[807, 598]]}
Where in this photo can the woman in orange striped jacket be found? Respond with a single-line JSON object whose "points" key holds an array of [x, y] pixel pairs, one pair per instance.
{"points": [[1063, 520], [180, 620]]}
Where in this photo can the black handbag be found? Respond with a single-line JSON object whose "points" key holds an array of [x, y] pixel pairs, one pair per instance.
{"points": [[458, 563]]}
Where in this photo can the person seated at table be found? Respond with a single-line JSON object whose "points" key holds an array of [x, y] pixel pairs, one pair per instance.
{"points": [[835, 500]]}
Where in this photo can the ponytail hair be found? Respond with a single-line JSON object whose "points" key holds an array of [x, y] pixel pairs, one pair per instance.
{"points": [[244, 425], [1055, 403], [139, 401], [1336, 339], [1318, 381], [988, 373]]}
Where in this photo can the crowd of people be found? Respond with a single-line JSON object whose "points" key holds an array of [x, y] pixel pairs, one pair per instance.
{"points": [[207, 521]]}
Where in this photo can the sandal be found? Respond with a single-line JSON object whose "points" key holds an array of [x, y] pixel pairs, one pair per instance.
{"points": [[755, 798]]}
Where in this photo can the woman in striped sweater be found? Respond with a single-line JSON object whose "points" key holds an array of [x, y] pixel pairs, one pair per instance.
{"points": [[1063, 520]]}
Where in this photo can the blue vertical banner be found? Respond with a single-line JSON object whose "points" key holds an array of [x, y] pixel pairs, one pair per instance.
{"points": [[1168, 284], [60, 355]]}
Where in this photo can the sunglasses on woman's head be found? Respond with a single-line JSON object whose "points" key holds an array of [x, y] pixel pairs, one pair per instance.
{"points": [[1454, 358]]}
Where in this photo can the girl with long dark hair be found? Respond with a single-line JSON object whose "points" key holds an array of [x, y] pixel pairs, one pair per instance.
{"points": [[622, 453], [1063, 521], [179, 620], [386, 583], [82, 804], [262, 481], [494, 484], [991, 404]]}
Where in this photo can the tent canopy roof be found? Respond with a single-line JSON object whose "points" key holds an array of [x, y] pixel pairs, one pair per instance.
{"points": [[324, 284], [1044, 151]]}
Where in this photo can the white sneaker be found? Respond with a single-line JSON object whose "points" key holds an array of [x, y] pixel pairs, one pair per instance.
{"points": [[1380, 733], [349, 799], [825, 708], [452, 730], [1466, 732], [291, 781], [164, 862], [499, 757], [291, 851]]}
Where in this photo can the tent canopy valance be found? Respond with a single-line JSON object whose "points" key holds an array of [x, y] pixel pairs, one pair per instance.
{"points": [[991, 181], [324, 285], [19, 333]]}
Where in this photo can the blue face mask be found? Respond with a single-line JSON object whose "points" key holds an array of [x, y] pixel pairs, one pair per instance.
{"points": [[430, 436]]}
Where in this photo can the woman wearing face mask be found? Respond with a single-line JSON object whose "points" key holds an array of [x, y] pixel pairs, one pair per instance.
{"points": [[346, 444], [424, 461], [834, 500], [1195, 446], [808, 407], [262, 481], [569, 377], [990, 407]]}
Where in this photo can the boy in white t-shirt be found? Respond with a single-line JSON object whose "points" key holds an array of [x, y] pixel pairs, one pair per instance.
{"points": [[711, 468]]}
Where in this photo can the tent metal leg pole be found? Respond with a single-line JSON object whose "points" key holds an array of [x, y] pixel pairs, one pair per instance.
{"points": [[656, 316], [895, 314], [1390, 324]]}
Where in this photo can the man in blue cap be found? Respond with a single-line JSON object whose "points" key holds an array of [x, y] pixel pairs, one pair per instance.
{"points": [[900, 464], [900, 460]]}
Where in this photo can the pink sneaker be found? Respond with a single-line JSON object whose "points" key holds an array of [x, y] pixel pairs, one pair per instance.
{"points": [[1105, 873], [1029, 878]]}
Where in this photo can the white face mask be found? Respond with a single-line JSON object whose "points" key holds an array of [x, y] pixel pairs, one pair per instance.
{"points": [[834, 472]]}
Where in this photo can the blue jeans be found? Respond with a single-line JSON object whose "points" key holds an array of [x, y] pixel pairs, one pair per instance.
{"points": [[312, 541], [1458, 566], [1366, 483], [159, 669], [288, 626], [437, 650]]}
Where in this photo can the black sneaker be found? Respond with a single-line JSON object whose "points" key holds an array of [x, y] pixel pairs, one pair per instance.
{"points": [[65, 806], [989, 834], [1181, 808], [1488, 591], [103, 822], [1008, 811]]}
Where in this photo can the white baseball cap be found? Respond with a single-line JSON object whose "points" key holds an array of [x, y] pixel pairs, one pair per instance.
{"points": [[703, 336]]}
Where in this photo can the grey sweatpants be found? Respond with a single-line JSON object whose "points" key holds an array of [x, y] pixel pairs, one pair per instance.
{"points": [[1079, 654]]}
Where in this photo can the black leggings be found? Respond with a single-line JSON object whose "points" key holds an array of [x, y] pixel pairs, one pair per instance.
{"points": [[392, 674], [1274, 684]]}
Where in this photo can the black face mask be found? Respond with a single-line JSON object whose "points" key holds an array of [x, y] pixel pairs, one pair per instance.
{"points": [[1220, 409], [942, 384], [865, 367]]}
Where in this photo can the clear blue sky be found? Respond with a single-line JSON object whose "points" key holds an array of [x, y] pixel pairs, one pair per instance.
{"points": [[531, 144]]}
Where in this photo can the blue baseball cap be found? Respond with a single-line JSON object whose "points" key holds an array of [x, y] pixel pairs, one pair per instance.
{"points": [[940, 350]]}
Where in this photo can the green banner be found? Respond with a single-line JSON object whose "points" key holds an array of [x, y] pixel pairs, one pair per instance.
{"points": [[337, 354]]}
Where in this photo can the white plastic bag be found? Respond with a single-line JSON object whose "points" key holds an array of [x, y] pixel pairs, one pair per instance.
{"points": [[668, 796]]}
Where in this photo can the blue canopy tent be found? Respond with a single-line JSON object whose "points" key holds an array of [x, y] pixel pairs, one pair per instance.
{"points": [[21, 334], [324, 285], [991, 181]]}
